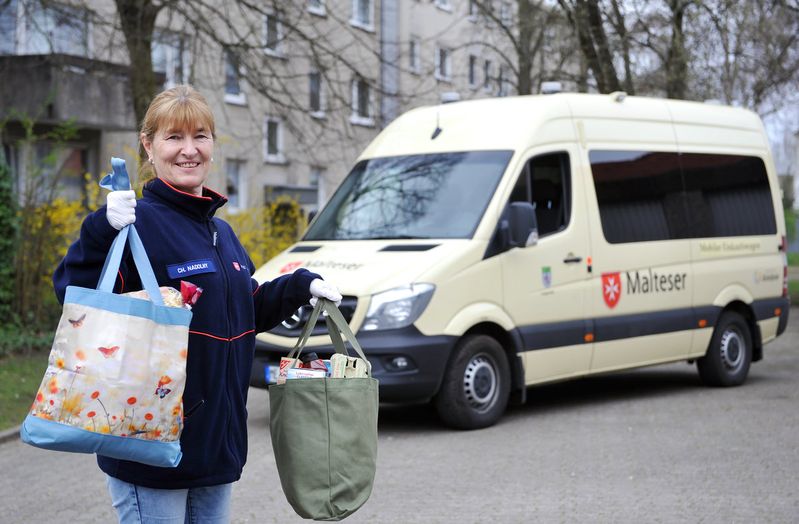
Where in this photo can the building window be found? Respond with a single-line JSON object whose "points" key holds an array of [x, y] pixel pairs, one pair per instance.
{"points": [[445, 5], [317, 7], [273, 35], [487, 75], [169, 58], [317, 180], [472, 71], [8, 27], [503, 81], [414, 55], [363, 14], [361, 103], [505, 14], [443, 64], [233, 73], [234, 169], [54, 28], [316, 101], [273, 140], [473, 10]]}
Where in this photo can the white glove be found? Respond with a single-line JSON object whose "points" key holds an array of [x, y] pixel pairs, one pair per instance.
{"points": [[121, 208], [320, 288]]}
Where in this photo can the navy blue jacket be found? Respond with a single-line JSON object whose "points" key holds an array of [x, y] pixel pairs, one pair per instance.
{"points": [[185, 242]]}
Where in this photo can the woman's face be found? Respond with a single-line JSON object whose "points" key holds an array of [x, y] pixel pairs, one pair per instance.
{"points": [[181, 157]]}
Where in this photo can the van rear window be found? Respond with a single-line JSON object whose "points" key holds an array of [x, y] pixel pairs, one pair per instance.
{"points": [[645, 195], [441, 195]]}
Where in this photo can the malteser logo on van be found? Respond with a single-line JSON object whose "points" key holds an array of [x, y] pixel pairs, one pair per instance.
{"points": [[291, 266], [611, 288], [650, 281], [640, 282]]}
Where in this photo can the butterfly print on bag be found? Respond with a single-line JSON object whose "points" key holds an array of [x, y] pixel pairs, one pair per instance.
{"points": [[77, 323], [109, 351], [160, 390]]}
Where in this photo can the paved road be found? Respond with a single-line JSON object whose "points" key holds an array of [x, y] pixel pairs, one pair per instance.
{"points": [[651, 445]]}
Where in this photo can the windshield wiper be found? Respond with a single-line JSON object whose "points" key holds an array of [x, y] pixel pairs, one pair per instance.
{"points": [[398, 237]]}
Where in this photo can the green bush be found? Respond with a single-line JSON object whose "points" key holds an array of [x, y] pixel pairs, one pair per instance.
{"points": [[14, 339], [793, 291], [9, 225], [790, 224]]}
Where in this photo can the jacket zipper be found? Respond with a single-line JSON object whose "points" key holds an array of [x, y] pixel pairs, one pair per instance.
{"points": [[215, 241]]}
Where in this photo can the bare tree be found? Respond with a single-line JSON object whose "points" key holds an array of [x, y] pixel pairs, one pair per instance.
{"points": [[747, 53], [587, 22], [532, 42]]}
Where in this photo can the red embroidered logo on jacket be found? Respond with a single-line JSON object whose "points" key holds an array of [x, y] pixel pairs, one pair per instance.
{"points": [[611, 288], [236, 266]]}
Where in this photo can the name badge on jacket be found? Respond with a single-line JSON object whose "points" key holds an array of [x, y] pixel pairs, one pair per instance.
{"points": [[192, 267]]}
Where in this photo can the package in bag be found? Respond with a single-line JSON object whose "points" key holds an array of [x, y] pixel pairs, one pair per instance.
{"points": [[117, 369]]}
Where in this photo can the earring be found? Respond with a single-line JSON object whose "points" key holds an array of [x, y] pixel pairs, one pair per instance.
{"points": [[212, 160], [151, 160]]}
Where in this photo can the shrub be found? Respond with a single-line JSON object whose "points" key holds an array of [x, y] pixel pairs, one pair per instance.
{"points": [[267, 230], [9, 225]]}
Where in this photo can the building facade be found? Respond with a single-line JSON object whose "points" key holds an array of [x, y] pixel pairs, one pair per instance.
{"points": [[298, 88]]}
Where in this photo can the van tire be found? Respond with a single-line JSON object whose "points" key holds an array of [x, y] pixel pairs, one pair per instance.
{"points": [[476, 384], [729, 355]]}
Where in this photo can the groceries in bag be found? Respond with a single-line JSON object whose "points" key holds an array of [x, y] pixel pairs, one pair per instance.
{"points": [[185, 298]]}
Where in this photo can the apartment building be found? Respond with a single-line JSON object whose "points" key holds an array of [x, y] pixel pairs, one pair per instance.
{"points": [[298, 88]]}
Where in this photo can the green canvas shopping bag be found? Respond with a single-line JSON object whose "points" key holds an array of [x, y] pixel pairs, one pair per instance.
{"points": [[324, 432]]}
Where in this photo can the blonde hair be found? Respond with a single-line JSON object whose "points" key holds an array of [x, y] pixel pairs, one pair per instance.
{"points": [[181, 107]]}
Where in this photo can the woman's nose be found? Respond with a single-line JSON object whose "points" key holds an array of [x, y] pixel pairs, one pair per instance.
{"points": [[189, 147]]}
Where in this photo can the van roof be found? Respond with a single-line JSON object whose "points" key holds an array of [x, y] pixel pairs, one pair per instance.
{"points": [[516, 123]]}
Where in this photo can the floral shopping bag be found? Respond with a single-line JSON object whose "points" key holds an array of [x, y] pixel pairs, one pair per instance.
{"points": [[117, 370]]}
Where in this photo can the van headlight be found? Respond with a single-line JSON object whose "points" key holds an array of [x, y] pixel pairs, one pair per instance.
{"points": [[398, 307]]}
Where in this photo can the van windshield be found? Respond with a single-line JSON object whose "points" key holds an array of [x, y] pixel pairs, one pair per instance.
{"points": [[441, 195]]}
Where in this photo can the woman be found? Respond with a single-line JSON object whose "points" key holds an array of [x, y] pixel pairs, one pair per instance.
{"points": [[185, 242]]}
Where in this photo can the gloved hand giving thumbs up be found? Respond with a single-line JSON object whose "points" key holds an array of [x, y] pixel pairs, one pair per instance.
{"points": [[121, 208]]}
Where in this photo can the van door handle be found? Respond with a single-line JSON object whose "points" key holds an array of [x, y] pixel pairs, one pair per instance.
{"points": [[571, 259]]}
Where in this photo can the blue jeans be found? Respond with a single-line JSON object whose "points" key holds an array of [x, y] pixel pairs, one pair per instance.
{"points": [[140, 505]]}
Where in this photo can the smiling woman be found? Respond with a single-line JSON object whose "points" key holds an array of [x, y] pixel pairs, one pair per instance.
{"points": [[186, 245], [178, 136]]}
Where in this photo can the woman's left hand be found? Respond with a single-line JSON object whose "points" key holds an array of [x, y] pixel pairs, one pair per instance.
{"points": [[320, 288]]}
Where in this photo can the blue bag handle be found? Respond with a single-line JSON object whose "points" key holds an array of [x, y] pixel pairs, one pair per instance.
{"points": [[119, 181], [114, 259]]}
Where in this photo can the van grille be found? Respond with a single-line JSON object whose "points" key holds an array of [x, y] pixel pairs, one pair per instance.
{"points": [[293, 326]]}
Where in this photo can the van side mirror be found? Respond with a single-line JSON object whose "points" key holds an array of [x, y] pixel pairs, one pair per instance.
{"points": [[311, 215], [523, 224]]}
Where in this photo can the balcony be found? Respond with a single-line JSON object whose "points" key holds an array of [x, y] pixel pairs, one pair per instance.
{"points": [[54, 88]]}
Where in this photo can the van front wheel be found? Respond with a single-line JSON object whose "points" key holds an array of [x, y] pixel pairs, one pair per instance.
{"points": [[727, 360], [476, 385]]}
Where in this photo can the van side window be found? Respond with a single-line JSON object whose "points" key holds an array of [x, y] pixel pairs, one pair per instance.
{"points": [[637, 192], [545, 182], [729, 195], [646, 195]]}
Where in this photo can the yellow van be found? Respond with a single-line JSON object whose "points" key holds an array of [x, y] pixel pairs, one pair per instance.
{"points": [[489, 245]]}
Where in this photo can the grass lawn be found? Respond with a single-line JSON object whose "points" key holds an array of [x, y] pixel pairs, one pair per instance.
{"points": [[793, 291], [793, 259], [20, 376]]}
